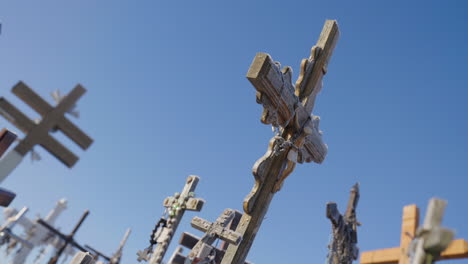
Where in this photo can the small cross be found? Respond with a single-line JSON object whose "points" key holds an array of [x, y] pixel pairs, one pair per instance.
{"points": [[218, 229], [6, 232], [343, 249], [52, 118]]}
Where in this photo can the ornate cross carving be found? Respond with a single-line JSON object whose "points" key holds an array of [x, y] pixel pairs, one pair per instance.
{"points": [[288, 109], [219, 229], [38, 134], [343, 249]]}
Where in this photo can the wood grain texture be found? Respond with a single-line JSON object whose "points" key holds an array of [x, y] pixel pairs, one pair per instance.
{"points": [[297, 127]]}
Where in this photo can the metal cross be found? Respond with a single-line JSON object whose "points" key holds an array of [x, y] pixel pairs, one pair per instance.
{"points": [[219, 229], [53, 118], [343, 249], [298, 138]]}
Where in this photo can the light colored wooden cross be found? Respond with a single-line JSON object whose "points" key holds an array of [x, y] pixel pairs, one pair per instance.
{"points": [[53, 118], [458, 249], [288, 109], [343, 249], [177, 205], [217, 230]]}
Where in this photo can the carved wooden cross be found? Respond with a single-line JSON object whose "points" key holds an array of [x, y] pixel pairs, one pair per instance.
{"points": [[176, 206], [67, 239], [343, 249], [458, 249], [219, 229], [189, 241], [298, 138], [432, 239], [52, 118]]}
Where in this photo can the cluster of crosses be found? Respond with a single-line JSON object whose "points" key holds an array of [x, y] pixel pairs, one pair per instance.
{"points": [[297, 139]]}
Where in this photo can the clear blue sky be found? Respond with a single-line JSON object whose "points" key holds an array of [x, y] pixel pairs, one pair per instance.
{"points": [[167, 97]]}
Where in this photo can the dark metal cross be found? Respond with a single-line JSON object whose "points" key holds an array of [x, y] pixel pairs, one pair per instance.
{"points": [[298, 138], [343, 248], [67, 239], [53, 118]]}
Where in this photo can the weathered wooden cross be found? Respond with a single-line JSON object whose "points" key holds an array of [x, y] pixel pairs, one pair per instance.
{"points": [[67, 239], [83, 258], [53, 118], [343, 249], [458, 249], [203, 250], [298, 138], [431, 239], [176, 206], [189, 241]]}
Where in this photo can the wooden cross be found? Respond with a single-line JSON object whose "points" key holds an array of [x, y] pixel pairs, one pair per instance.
{"points": [[67, 239], [343, 249], [431, 239], [298, 139], [219, 229], [53, 118], [189, 241], [458, 249], [176, 205]]}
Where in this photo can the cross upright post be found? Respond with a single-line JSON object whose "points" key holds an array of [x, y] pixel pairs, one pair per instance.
{"points": [[176, 205], [68, 239], [432, 239], [343, 249], [53, 118], [219, 229], [83, 258], [298, 138], [6, 139]]}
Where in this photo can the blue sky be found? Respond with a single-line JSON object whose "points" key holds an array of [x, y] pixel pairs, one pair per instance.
{"points": [[167, 97]]}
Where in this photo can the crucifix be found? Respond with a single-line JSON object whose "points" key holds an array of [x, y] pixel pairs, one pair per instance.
{"points": [[53, 118], [457, 249], [343, 248], [165, 229], [203, 252], [67, 239], [6, 139], [298, 138], [431, 239]]}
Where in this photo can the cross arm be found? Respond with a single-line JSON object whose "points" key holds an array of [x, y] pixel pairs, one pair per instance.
{"points": [[14, 116], [201, 224], [41, 106], [333, 214]]}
